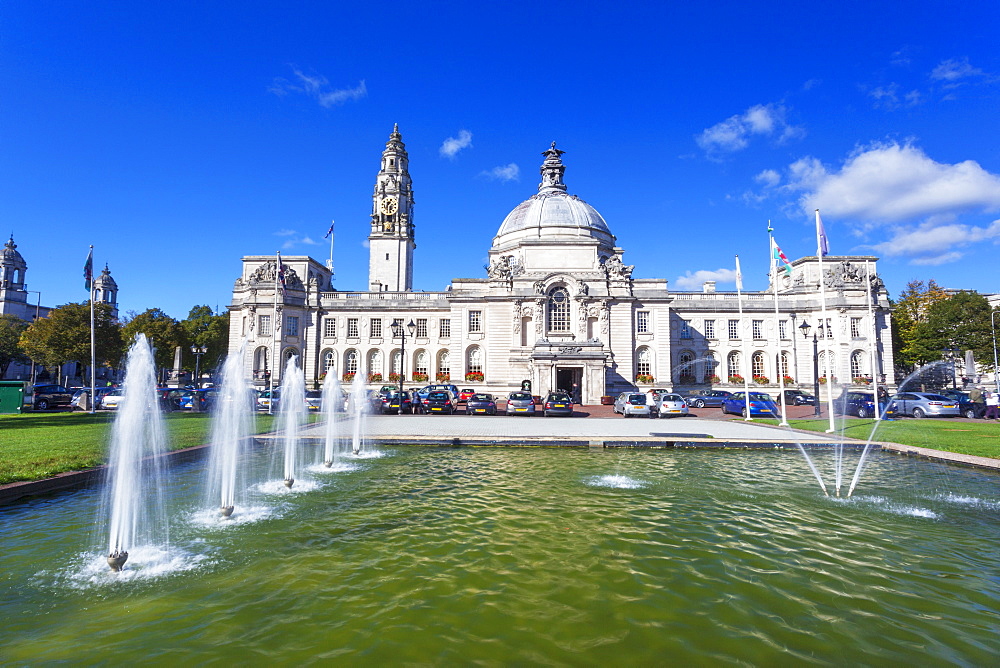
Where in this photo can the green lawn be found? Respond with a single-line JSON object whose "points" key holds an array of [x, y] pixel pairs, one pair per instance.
{"points": [[39, 445], [980, 438]]}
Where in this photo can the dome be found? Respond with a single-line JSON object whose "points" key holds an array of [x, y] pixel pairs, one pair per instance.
{"points": [[10, 257], [552, 214]]}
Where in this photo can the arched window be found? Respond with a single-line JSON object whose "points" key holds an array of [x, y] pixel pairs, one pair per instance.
{"points": [[782, 363], [858, 366], [685, 368], [444, 363], [644, 362], [734, 364], [261, 359], [397, 362], [351, 362], [329, 362], [420, 362], [827, 363], [375, 362], [558, 310], [475, 359], [710, 367], [757, 366], [290, 353]]}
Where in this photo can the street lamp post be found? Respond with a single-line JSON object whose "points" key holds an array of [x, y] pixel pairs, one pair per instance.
{"points": [[804, 328], [198, 352], [399, 332]]}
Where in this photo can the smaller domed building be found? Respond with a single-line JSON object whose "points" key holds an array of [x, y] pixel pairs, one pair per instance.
{"points": [[558, 306]]}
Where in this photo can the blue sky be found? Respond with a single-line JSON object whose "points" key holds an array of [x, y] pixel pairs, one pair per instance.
{"points": [[177, 137]]}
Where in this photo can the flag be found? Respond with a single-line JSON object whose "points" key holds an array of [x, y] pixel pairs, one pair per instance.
{"points": [[822, 245], [739, 274], [778, 254], [88, 269], [281, 277], [329, 231]]}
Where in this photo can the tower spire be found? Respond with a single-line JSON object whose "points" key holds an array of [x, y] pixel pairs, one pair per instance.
{"points": [[552, 171], [391, 240]]}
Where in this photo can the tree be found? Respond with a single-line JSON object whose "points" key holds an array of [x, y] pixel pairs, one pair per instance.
{"points": [[961, 321], [11, 328], [204, 328], [164, 334], [64, 336], [908, 312]]}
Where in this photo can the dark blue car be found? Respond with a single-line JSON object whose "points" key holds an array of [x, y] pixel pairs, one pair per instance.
{"points": [[761, 404], [861, 404], [703, 398]]}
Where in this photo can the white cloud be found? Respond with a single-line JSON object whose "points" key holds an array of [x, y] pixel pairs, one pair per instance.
{"points": [[931, 243], [452, 145], [893, 182], [768, 178], [694, 281], [955, 69], [889, 98], [734, 133], [284, 233], [503, 173], [293, 239], [317, 87]]}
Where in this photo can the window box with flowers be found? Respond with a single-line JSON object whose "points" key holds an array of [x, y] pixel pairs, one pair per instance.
{"points": [[685, 379], [761, 380], [822, 380], [420, 378], [394, 377], [474, 377], [736, 379], [714, 379], [374, 378], [442, 377], [861, 380], [788, 380], [645, 379], [347, 377]]}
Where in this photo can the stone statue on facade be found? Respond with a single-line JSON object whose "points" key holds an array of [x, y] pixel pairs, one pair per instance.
{"points": [[615, 269]]}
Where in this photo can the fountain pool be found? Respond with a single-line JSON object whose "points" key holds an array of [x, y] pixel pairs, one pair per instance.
{"points": [[531, 555]]}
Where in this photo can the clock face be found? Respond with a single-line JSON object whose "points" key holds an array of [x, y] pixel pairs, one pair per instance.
{"points": [[389, 206]]}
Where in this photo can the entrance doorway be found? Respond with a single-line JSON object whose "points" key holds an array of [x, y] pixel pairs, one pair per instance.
{"points": [[571, 380]]}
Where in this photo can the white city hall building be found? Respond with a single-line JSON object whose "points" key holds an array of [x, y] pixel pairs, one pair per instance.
{"points": [[558, 306]]}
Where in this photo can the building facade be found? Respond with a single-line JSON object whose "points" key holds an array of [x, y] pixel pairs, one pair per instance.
{"points": [[558, 306]]}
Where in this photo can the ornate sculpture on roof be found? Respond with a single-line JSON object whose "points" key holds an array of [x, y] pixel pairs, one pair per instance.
{"points": [[615, 269], [552, 171], [843, 273], [505, 268], [268, 273]]}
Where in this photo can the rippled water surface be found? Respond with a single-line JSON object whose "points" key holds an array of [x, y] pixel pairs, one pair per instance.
{"points": [[499, 556]]}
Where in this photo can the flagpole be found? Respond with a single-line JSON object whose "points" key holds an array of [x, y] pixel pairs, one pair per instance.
{"points": [[274, 335], [777, 316], [821, 250], [743, 338], [329, 263], [873, 345]]}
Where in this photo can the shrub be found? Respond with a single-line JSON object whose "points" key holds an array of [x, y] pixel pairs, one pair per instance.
{"points": [[861, 380], [420, 377], [645, 378], [761, 380], [736, 379], [788, 380], [474, 377], [347, 377], [374, 378], [442, 377], [714, 379], [393, 377]]}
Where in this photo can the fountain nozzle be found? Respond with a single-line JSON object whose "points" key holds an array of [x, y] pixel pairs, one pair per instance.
{"points": [[226, 511], [328, 464], [116, 560], [289, 482], [357, 452]]}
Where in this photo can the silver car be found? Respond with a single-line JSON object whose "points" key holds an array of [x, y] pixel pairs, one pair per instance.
{"points": [[673, 405], [925, 404], [631, 403], [520, 403]]}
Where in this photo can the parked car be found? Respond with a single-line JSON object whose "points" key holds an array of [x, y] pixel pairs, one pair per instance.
{"points": [[799, 398], [631, 403], [464, 395], [264, 400], [924, 404], [45, 396], [77, 400], [481, 404], [861, 404], [673, 405], [703, 398], [557, 403], [520, 403], [966, 406], [314, 400], [440, 401], [396, 402], [447, 387], [113, 400], [761, 404], [203, 399]]}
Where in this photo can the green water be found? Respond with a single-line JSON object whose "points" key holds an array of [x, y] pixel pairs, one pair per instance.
{"points": [[504, 556]]}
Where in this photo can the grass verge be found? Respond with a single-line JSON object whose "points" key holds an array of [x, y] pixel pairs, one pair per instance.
{"points": [[40, 445]]}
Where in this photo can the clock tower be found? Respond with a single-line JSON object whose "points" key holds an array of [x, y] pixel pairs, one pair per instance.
{"points": [[391, 241]]}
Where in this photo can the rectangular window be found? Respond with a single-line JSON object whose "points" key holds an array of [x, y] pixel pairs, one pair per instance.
{"points": [[829, 328], [782, 329], [352, 328], [685, 329], [855, 328], [421, 328], [376, 324], [475, 321], [642, 322], [292, 325], [758, 329], [264, 325], [330, 328], [445, 328], [709, 329], [734, 329]]}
